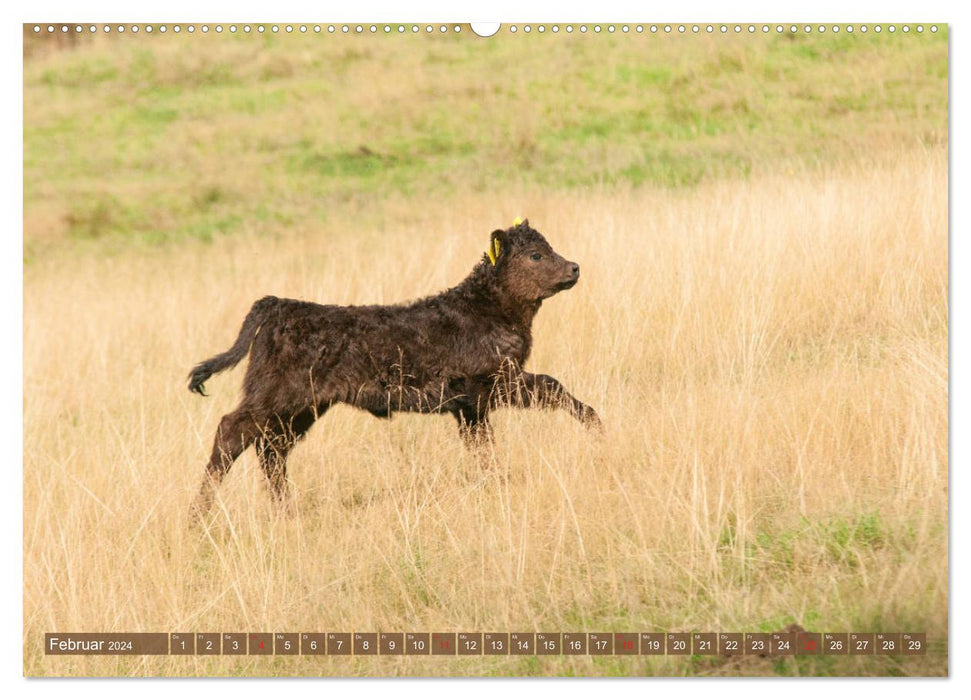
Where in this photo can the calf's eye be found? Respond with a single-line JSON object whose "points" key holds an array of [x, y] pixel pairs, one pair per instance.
{"points": [[536, 257]]}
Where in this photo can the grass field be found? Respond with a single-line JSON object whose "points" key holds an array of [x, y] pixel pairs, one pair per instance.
{"points": [[761, 322]]}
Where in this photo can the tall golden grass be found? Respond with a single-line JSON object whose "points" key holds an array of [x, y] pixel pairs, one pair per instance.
{"points": [[769, 357]]}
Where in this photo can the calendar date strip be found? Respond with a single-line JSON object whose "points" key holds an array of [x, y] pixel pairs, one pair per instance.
{"points": [[725, 644]]}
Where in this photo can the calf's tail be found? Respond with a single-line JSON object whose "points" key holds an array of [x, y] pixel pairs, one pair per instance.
{"points": [[251, 326]]}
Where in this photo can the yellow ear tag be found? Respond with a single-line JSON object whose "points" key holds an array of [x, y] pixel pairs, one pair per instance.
{"points": [[494, 250], [518, 220]]}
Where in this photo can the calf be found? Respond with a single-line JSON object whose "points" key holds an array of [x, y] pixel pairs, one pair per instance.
{"points": [[459, 352]]}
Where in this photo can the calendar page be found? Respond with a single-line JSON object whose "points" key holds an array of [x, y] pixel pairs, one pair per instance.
{"points": [[485, 350]]}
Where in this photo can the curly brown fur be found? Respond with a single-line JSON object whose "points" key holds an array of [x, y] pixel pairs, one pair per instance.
{"points": [[459, 352]]}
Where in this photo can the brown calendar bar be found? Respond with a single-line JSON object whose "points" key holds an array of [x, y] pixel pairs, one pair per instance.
{"points": [[678, 643], [443, 644], [261, 644], [208, 643], [548, 643], [783, 644], [862, 643], [773, 644], [234, 643], [704, 643], [836, 643], [313, 643], [392, 643], [887, 643], [731, 644], [913, 643], [365, 644], [652, 643], [575, 643], [626, 644], [600, 643], [808, 643], [469, 643], [102, 643], [757, 644], [417, 643], [495, 643], [286, 643], [522, 643], [182, 643], [338, 643]]}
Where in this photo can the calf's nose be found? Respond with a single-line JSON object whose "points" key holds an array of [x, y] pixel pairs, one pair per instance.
{"points": [[576, 271]]}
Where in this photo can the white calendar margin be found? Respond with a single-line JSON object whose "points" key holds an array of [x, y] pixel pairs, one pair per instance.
{"points": [[11, 302]]}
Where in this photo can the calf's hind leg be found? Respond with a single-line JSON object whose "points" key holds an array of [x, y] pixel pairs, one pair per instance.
{"points": [[473, 420], [273, 448], [236, 432], [476, 432]]}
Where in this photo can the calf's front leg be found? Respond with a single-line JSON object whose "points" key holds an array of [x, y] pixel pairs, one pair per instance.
{"points": [[528, 390]]}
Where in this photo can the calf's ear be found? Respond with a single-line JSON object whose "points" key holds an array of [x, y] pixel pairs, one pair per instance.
{"points": [[497, 244]]}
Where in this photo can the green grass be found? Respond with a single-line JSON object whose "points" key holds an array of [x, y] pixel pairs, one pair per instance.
{"points": [[843, 540], [123, 136]]}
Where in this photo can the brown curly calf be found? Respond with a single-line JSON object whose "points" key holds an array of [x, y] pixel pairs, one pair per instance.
{"points": [[459, 352]]}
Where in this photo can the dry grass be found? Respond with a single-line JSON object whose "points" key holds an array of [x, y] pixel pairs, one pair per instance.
{"points": [[769, 356]]}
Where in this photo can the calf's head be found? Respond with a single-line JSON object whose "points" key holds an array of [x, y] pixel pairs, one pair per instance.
{"points": [[527, 267]]}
